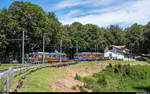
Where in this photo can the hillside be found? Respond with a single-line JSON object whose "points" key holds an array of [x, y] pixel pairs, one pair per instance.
{"points": [[63, 79]]}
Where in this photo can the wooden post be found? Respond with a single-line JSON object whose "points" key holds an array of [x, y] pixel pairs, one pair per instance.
{"points": [[9, 79], [7, 83], [17, 71], [2, 83]]}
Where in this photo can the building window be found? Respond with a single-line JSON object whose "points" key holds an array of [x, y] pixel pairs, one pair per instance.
{"points": [[110, 55]]}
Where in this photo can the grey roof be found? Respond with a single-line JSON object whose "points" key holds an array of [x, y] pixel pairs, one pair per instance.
{"points": [[56, 53], [87, 53]]}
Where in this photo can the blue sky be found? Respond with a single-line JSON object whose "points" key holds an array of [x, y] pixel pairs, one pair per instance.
{"points": [[100, 12]]}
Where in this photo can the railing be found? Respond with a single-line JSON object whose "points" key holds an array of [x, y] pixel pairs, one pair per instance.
{"points": [[7, 76]]}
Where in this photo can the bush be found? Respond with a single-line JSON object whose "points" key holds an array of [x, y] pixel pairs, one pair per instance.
{"points": [[148, 60], [82, 89], [90, 82], [78, 77], [114, 77], [74, 87], [102, 80]]}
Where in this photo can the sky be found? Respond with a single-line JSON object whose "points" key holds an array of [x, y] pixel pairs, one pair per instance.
{"points": [[99, 12]]}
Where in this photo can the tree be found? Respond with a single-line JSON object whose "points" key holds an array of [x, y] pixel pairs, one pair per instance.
{"points": [[54, 29], [135, 37], [118, 35], [7, 26], [31, 18], [146, 44]]}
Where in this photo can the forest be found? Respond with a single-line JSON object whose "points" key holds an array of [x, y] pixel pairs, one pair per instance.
{"points": [[36, 23]]}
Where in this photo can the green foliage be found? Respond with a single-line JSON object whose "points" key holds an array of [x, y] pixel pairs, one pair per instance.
{"points": [[74, 87], [135, 37], [148, 60], [89, 82], [78, 77], [35, 22], [82, 89], [117, 78]]}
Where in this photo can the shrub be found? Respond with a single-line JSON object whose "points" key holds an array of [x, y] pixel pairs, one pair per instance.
{"points": [[102, 80], [74, 87], [82, 89], [78, 77], [114, 77], [96, 75], [109, 66], [148, 60], [90, 82]]}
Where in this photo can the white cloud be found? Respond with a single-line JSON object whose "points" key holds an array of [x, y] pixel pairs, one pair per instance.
{"points": [[101, 2], [71, 14], [129, 13], [70, 3]]}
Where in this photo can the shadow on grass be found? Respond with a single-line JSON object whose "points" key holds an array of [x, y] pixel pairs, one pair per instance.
{"points": [[146, 89]]}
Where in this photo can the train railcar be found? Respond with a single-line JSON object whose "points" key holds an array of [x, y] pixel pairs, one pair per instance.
{"points": [[82, 56], [39, 57]]}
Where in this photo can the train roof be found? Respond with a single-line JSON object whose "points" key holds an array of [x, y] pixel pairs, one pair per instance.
{"points": [[38, 53], [47, 53], [87, 53]]}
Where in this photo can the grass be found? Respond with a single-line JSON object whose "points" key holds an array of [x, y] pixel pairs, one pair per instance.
{"points": [[17, 76], [10, 64], [148, 60], [119, 79], [107, 62], [4, 68], [119, 62], [41, 80], [15, 79]]}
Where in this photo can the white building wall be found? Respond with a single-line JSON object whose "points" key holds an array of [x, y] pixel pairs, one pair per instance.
{"points": [[116, 55]]}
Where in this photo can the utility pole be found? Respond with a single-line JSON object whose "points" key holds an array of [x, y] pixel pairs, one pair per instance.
{"points": [[60, 49], [95, 52], [22, 44], [22, 47], [44, 42], [43, 46], [77, 49]]}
